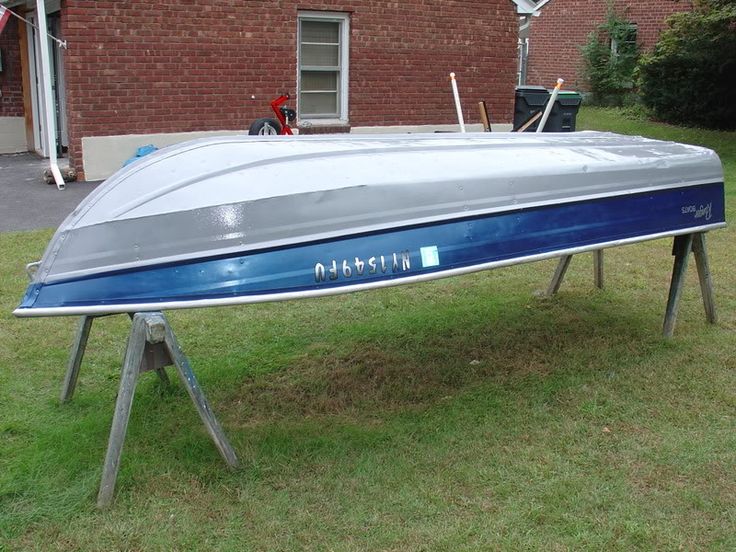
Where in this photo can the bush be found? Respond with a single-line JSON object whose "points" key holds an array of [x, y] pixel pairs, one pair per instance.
{"points": [[610, 56], [690, 77]]}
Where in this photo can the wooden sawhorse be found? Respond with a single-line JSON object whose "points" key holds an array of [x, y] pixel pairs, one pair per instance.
{"points": [[681, 248], [152, 345]]}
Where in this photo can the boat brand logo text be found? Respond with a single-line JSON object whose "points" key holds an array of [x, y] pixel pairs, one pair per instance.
{"points": [[704, 211], [396, 262]]}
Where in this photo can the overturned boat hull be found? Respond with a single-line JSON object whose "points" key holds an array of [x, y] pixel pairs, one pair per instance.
{"points": [[352, 213]]}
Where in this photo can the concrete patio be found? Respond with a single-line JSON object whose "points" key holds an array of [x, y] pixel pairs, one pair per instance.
{"points": [[27, 202]]}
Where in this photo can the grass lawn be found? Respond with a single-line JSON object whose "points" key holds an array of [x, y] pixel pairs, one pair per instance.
{"points": [[461, 414]]}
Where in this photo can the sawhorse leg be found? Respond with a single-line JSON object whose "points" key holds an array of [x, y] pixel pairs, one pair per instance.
{"points": [[700, 253], [598, 268], [152, 345], [559, 275], [75, 358], [681, 250], [76, 355], [564, 264]]}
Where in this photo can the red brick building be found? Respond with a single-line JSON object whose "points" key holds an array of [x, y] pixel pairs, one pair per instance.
{"points": [[562, 27], [139, 72]]}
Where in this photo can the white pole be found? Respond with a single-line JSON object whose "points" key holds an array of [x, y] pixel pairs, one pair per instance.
{"points": [[550, 105], [48, 98], [457, 103]]}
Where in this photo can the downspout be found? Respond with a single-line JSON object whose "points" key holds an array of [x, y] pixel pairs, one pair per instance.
{"points": [[48, 102]]}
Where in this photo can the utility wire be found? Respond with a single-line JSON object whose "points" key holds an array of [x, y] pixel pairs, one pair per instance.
{"points": [[59, 43]]}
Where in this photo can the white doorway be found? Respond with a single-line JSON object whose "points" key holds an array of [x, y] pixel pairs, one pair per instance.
{"points": [[58, 85]]}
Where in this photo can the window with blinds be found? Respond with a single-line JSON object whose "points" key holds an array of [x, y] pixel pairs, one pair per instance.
{"points": [[322, 59]]}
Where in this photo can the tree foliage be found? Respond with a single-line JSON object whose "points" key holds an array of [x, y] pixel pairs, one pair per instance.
{"points": [[610, 56], [690, 76]]}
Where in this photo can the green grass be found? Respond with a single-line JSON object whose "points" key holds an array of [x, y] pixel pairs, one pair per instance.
{"points": [[462, 414]]}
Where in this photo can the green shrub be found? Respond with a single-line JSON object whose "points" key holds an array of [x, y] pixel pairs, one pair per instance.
{"points": [[690, 76], [610, 56]]}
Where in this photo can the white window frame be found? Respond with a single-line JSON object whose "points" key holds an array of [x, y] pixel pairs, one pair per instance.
{"points": [[344, 20]]}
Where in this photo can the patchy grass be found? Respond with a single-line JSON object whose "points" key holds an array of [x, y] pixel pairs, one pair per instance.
{"points": [[460, 414]]}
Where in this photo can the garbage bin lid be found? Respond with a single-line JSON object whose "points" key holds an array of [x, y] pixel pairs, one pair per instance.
{"points": [[569, 98], [531, 89]]}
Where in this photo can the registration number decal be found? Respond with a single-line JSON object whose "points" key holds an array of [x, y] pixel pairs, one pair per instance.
{"points": [[344, 269]]}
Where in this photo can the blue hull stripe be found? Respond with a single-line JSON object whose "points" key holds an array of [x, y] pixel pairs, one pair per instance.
{"points": [[398, 253]]}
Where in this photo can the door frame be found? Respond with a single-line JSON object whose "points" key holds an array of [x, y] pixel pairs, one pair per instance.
{"points": [[38, 115]]}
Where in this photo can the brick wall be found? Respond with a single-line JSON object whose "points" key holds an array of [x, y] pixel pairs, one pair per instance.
{"points": [[174, 65], [563, 27], [11, 87]]}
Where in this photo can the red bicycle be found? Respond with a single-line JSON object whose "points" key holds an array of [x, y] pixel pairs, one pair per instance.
{"points": [[281, 125]]}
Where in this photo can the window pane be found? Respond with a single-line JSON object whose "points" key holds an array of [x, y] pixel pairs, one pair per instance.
{"points": [[319, 55], [318, 103], [319, 80], [321, 58], [321, 31]]}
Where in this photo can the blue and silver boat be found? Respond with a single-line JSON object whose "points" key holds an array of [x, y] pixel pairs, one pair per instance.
{"points": [[235, 220]]}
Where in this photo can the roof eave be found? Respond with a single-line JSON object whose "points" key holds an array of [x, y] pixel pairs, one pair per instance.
{"points": [[525, 7]]}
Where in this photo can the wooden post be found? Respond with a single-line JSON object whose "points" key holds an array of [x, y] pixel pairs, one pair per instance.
{"points": [[186, 375], [559, 275], [484, 117], [154, 356], [533, 119], [681, 250], [128, 381], [75, 358], [152, 345], [706, 283], [598, 268], [25, 73], [563, 265]]}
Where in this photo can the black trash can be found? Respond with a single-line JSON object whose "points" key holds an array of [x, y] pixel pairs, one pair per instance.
{"points": [[530, 100], [564, 113]]}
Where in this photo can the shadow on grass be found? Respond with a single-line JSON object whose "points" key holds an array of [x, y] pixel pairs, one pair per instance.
{"points": [[438, 351]]}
